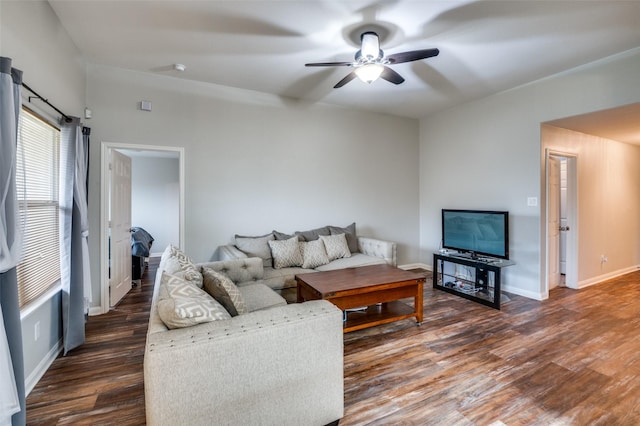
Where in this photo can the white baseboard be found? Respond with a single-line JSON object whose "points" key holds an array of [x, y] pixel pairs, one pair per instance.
{"points": [[32, 380], [520, 292], [608, 276], [95, 310], [416, 266]]}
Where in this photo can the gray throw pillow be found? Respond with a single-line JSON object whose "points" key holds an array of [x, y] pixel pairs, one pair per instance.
{"points": [[283, 236], [256, 247], [313, 234]]}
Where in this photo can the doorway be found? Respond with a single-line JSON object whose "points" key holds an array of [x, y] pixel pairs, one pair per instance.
{"points": [[160, 154], [561, 220]]}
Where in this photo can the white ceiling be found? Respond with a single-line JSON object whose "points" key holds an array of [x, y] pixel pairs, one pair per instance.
{"points": [[485, 46]]}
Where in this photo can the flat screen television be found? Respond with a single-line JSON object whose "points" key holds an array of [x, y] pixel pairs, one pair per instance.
{"points": [[476, 232]]}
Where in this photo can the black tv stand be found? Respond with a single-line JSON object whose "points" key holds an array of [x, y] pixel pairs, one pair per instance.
{"points": [[479, 281]]}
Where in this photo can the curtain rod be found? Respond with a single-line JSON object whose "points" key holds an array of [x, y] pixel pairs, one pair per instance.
{"points": [[46, 101]]}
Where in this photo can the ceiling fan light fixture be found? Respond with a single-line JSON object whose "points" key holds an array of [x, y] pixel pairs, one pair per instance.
{"points": [[369, 73]]}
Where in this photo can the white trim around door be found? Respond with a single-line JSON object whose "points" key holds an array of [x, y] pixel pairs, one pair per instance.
{"points": [[106, 148]]}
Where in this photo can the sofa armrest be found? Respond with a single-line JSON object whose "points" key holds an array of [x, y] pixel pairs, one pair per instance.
{"points": [[229, 252], [279, 366], [383, 249], [238, 270]]}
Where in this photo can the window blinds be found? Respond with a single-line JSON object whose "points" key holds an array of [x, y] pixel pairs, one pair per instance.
{"points": [[37, 178]]}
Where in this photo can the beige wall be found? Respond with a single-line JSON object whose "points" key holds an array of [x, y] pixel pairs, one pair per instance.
{"points": [[256, 162], [486, 154], [608, 201], [32, 35]]}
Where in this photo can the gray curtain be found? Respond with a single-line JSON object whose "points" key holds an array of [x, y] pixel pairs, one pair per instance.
{"points": [[74, 231], [12, 392]]}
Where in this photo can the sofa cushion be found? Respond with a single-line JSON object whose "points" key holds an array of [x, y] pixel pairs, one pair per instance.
{"points": [[314, 254], [238, 270], [336, 246], [191, 271], [183, 304], [278, 279], [258, 297], [286, 253], [350, 234], [256, 247], [221, 288], [356, 259], [313, 234]]}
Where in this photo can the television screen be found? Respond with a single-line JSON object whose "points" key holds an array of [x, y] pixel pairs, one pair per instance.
{"points": [[480, 232]]}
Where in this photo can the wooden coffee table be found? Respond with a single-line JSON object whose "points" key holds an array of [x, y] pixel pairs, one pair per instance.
{"points": [[376, 289]]}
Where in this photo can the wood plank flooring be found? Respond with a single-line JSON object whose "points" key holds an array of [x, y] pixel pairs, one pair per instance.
{"points": [[571, 360]]}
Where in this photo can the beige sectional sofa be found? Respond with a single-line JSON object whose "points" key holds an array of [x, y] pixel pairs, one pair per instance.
{"points": [[362, 251], [273, 364]]}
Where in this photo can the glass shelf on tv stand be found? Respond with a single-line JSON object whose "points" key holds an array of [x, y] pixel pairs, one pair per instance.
{"points": [[480, 282]]}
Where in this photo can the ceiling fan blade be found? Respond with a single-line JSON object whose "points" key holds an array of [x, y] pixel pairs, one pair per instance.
{"points": [[412, 55], [329, 64], [345, 80], [392, 76]]}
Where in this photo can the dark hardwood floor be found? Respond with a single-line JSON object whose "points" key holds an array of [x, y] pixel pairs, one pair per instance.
{"points": [[571, 360]]}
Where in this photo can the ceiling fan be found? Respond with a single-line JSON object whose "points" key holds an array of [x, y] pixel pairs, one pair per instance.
{"points": [[371, 64]]}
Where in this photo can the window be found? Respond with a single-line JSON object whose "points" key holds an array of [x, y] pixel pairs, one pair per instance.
{"points": [[37, 178]]}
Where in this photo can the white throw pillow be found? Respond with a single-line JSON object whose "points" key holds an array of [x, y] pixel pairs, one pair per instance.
{"points": [[314, 254], [286, 253], [336, 246], [183, 304], [191, 271]]}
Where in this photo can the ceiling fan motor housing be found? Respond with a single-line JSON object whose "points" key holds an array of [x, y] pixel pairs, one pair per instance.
{"points": [[370, 48]]}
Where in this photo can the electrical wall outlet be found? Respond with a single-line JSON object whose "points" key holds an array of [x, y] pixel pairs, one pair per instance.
{"points": [[36, 331], [603, 259]]}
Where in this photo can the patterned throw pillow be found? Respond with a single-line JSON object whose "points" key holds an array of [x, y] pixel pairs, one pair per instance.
{"points": [[336, 246], [221, 288], [191, 271], [350, 233], [182, 304], [313, 254], [286, 253]]}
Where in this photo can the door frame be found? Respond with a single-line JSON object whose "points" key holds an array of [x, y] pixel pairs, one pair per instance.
{"points": [[106, 148], [571, 275]]}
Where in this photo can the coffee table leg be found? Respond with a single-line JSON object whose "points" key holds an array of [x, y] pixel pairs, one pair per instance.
{"points": [[418, 303]]}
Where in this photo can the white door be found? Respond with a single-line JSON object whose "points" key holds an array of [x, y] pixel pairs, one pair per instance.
{"points": [[553, 219], [564, 223], [120, 226]]}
